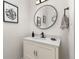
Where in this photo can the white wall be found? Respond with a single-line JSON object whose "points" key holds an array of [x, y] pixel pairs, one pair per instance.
{"points": [[14, 33], [65, 52], [72, 30]]}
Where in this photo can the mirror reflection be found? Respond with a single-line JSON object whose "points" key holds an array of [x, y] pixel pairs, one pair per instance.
{"points": [[45, 17]]}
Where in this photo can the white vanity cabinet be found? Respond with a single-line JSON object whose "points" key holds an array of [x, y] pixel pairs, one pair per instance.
{"points": [[36, 50]]}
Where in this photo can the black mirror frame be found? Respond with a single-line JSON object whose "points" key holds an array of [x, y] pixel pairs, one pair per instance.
{"points": [[50, 25]]}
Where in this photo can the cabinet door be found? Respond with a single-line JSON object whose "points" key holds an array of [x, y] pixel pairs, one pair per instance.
{"points": [[28, 51], [45, 53]]}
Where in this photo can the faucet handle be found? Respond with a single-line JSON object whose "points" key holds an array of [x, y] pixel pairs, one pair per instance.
{"points": [[42, 33]]}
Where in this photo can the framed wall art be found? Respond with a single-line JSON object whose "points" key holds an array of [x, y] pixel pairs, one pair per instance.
{"points": [[10, 12], [38, 21]]}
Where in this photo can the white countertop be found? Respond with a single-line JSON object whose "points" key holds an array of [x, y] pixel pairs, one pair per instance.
{"points": [[44, 40]]}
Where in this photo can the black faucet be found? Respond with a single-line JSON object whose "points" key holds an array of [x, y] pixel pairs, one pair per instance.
{"points": [[42, 35]]}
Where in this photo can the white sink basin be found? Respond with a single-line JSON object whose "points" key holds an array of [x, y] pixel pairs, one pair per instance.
{"points": [[44, 40], [41, 38]]}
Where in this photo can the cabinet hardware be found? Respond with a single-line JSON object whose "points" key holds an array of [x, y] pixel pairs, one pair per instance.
{"points": [[34, 53]]}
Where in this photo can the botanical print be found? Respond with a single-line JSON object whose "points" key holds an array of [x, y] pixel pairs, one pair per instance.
{"points": [[10, 13]]}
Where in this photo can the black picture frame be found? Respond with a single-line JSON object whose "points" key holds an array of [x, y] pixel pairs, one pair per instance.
{"points": [[38, 21], [44, 19], [10, 12]]}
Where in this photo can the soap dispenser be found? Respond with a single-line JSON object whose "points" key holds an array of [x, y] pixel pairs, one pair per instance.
{"points": [[33, 34]]}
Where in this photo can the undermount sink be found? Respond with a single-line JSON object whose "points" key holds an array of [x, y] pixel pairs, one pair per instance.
{"points": [[44, 40]]}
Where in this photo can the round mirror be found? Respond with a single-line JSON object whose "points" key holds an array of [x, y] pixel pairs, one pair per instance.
{"points": [[45, 17]]}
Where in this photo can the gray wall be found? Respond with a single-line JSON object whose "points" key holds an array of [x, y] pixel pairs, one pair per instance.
{"points": [[14, 33]]}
